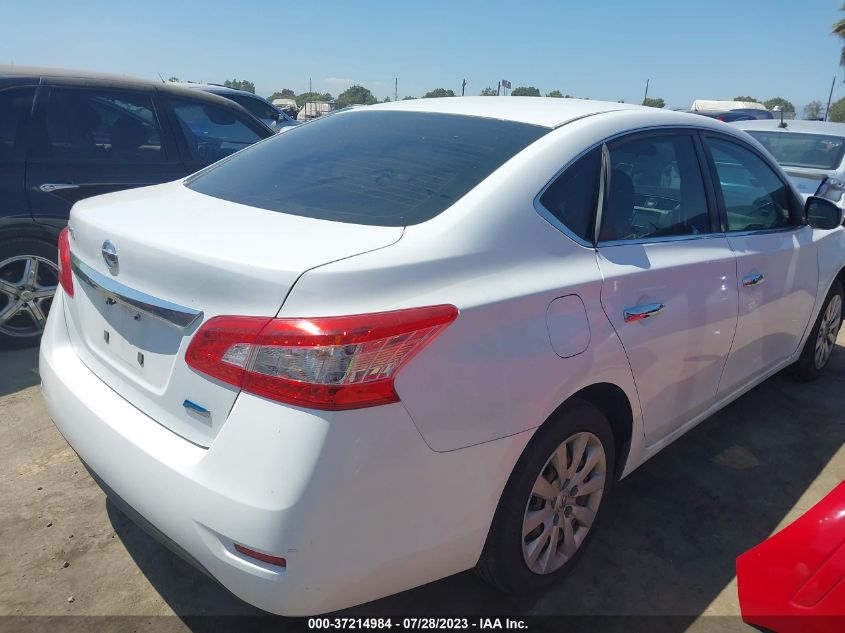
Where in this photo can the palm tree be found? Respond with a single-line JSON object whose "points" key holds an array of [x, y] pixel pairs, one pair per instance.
{"points": [[839, 30]]}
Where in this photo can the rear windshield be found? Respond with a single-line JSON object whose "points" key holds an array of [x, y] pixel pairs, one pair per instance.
{"points": [[793, 149], [369, 167]]}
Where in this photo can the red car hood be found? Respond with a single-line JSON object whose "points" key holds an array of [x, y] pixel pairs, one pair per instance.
{"points": [[795, 580]]}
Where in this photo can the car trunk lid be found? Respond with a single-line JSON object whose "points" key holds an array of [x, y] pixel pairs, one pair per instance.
{"points": [[182, 258]]}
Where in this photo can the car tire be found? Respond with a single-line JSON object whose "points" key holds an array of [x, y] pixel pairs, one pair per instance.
{"points": [[25, 297], [822, 339], [513, 539]]}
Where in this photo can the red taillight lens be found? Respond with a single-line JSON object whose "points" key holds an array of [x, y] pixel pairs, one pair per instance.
{"points": [[267, 558], [331, 363], [65, 273]]}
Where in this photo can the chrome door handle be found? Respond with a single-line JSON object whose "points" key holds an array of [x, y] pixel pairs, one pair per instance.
{"points": [[753, 280], [49, 187], [638, 313]]}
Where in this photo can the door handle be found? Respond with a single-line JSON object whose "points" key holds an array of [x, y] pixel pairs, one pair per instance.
{"points": [[49, 187], [639, 313], [753, 280]]}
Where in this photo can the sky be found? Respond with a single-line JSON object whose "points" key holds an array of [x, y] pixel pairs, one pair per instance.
{"points": [[602, 49]]}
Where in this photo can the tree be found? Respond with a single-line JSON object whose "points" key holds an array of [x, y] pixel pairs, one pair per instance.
{"points": [[555, 93], [774, 102], [525, 91], [355, 95], [488, 92], [284, 93], [813, 110], [438, 92], [173, 79], [839, 31], [837, 111], [243, 84], [387, 100], [306, 97], [746, 99], [656, 102], [408, 98]]}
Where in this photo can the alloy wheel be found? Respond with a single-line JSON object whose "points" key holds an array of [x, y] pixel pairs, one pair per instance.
{"points": [[27, 286], [828, 331], [563, 503]]}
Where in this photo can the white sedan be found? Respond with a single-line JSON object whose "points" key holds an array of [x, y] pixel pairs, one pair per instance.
{"points": [[809, 151], [423, 337]]}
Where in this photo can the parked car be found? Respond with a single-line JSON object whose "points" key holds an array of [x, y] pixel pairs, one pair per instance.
{"points": [[809, 151], [68, 135], [275, 118], [422, 337], [738, 114]]}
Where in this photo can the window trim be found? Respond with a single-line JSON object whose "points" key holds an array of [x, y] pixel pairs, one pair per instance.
{"points": [[38, 124], [797, 222]]}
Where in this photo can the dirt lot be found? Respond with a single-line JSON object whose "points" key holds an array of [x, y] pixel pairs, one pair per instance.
{"points": [[667, 546]]}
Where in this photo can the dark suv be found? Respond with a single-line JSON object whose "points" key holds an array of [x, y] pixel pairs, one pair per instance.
{"points": [[67, 135]]}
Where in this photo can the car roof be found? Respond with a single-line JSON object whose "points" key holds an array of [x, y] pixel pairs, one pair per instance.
{"points": [[124, 81], [212, 88], [545, 111], [805, 127]]}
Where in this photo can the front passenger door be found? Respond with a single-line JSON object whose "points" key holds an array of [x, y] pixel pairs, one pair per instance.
{"points": [[777, 266], [669, 284]]}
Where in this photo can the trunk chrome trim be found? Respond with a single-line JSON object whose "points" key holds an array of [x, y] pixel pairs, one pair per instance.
{"points": [[166, 311]]}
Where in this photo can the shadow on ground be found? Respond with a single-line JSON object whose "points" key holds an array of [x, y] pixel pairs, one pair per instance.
{"points": [[670, 535], [18, 370]]}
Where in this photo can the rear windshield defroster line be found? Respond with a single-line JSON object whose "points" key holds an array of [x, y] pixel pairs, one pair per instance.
{"points": [[379, 168]]}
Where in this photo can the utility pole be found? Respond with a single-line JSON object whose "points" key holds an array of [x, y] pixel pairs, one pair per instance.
{"points": [[645, 98], [309, 85], [396, 88], [829, 98], [463, 87], [499, 89]]}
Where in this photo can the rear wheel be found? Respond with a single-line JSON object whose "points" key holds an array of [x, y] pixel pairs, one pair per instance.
{"points": [[550, 505], [29, 276], [819, 345]]}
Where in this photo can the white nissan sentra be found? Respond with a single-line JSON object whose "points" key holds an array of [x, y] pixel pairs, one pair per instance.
{"points": [[423, 337]]}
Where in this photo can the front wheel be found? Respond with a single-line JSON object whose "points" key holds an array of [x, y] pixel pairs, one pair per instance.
{"points": [[552, 501], [29, 276], [819, 345]]}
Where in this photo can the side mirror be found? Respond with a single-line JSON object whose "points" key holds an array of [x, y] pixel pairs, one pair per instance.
{"points": [[821, 213], [275, 115]]}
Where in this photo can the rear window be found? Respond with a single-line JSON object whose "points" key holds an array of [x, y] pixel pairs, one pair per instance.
{"points": [[793, 149], [376, 168]]}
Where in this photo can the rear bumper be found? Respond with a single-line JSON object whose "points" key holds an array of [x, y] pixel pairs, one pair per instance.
{"points": [[355, 501]]}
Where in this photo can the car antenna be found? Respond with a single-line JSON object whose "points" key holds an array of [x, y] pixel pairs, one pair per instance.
{"points": [[162, 78], [782, 123]]}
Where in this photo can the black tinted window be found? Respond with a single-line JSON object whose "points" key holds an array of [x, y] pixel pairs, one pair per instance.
{"points": [[655, 189], [255, 106], [101, 124], [369, 167], [213, 132], [15, 105], [573, 196], [755, 197]]}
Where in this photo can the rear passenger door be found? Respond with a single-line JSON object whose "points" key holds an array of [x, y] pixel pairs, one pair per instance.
{"points": [[208, 132], [91, 140], [777, 266], [669, 275]]}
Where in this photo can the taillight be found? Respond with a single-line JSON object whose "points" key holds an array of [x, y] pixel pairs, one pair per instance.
{"points": [[330, 363], [65, 273]]}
